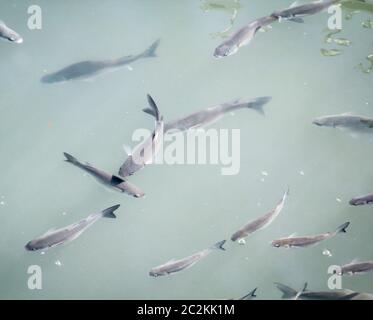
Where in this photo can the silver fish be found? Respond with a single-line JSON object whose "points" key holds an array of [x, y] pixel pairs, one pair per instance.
{"points": [[90, 69], [345, 120], [113, 181], [174, 266], [57, 237], [242, 37], [356, 268], [361, 200], [343, 294], [300, 242], [210, 115], [294, 12], [261, 222], [9, 34], [146, 151]]}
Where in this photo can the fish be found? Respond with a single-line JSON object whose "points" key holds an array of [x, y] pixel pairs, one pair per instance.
{"points": [[342, 294], [146, 151], [174, 266], [242, 37], [8, 34], [56, 237], [250, 296], [361, 200], [89, 69], [296, 12], [306, 241], [261, 222], [345, 120], [356, 267], [113, 181], [210, 115]]}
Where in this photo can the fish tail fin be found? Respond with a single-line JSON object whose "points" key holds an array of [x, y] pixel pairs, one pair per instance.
{"points": [[150, 52], [154, 108], [219, 245], [258, 103], [109, 212], [287, 292], [251, 294], [149, 111], [70, 158], [342, 228]]}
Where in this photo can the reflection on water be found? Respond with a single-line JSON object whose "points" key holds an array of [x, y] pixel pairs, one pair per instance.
{"points": [[330, 52], [370, 67], [367, 24], [229, 6]]}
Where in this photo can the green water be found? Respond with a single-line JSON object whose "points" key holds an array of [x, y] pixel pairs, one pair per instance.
{"points": [[187, 207]]}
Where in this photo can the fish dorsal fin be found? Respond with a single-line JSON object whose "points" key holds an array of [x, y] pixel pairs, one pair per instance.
{"points": [[116, 180], [347, 113], [293, 235], [50, 231], [353, 261], [294, 4]]}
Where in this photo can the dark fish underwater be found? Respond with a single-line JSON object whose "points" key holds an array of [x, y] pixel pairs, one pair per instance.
{"points": [[88, 69]]}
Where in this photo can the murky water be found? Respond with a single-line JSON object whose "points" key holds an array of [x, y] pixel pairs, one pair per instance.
{"points": [[187, 207]]}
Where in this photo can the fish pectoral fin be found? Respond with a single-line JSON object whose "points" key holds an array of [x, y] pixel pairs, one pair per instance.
{"points": [[115, 180], [296, 19]]}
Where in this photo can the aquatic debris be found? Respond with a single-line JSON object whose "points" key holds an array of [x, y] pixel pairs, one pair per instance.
{"points": [[367, 24], [230, 6], [330, 52], [351, 14], [265, 173], [340, 41], [338, 200], [370, 67], [58, 263], [2, 203], [241, 241], [301, 173]]}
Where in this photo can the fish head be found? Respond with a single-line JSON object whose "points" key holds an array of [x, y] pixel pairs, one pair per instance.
{"points": [[278, 243], [131, 190], [33, 245], [358, 201], [225, 50], [52, 78], [322, 121], [13, 37], [156, 272]]}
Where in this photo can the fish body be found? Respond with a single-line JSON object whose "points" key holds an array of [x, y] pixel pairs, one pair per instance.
{"points": [[57, 237], [343, 294], [113, 181], [306, 241], [356, 268], [242, 37], [295, 12], [90, 69], [174, 266], [8, 34], [146, 151], [345, 120], [361, 200], [261, 222], [210, 115]]}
